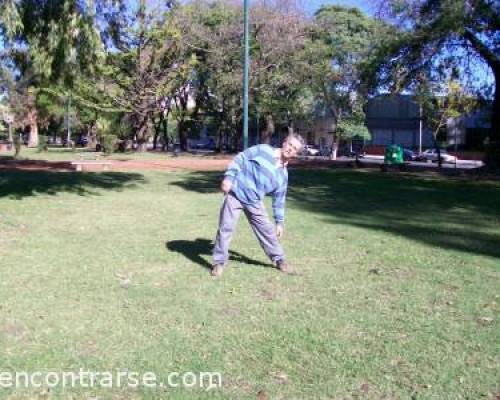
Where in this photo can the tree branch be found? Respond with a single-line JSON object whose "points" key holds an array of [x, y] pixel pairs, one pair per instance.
{"points": [[491, 58]]}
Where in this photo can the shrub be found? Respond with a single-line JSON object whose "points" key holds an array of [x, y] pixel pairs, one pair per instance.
{"points": [[109, 142], [17, 146], [42, 144]]}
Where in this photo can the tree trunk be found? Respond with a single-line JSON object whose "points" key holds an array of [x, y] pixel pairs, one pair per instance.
{"points": [[438, 149], [92, 135], [157, 132], [32, 118], [268, 133], [219, 139], [181, 130], [493, 153], [493, 61], [335, 148], [142, 135], [226, 136], [165, 133], [290, 126]]}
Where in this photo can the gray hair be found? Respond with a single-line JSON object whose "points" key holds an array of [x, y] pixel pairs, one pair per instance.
{"points": [[297, 137]]}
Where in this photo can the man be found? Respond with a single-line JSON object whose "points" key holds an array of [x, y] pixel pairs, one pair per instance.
{"points": [[253, 173]]}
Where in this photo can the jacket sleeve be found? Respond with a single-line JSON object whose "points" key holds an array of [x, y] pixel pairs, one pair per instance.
{"points": [[236, 165], [279, 206]]}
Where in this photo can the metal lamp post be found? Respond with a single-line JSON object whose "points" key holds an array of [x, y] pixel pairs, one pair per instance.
{"points": [[245, 75], [68, 121]]}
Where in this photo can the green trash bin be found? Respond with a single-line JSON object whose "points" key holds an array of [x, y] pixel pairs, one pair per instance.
{"points": [[393, 155]]}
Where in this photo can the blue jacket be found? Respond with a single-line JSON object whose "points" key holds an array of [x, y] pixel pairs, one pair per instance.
{"points": [[255, 173]]}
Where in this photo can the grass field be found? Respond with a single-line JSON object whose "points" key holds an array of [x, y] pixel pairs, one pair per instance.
{"points": [[397, 295]]}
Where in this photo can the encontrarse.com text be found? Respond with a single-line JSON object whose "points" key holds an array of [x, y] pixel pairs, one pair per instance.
{"points": [[108, 379]]}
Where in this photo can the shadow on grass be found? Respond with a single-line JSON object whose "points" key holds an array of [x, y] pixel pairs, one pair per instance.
{"points": [[195, 249], [449, 213], [454, 214], [201, 182], [19, 184]]}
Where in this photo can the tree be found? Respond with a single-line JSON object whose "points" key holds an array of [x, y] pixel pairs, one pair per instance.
{"points": [[277, 81], [215, 34], [442, 103], [135, 79], [437, 36], [48, 42], [341, 42]]}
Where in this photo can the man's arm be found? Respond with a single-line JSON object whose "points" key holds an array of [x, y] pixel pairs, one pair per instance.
{"points": [[279, 209]]}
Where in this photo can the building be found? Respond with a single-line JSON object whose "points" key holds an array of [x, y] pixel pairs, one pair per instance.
{"points": [[396, 119]]}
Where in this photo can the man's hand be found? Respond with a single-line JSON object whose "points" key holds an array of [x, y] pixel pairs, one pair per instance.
{"points": [[226, 185], [280, 230]]}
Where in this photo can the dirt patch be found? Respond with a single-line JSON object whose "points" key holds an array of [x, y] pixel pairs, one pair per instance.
{"points": [[265, 294], [14, 330], [35, 165], [195, 163], [189, 164]]}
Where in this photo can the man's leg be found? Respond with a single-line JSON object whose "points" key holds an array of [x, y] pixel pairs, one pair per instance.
{"points": [[229, 214], [265, 232]]}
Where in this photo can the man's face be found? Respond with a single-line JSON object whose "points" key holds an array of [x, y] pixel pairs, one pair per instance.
{"points": [[291, 148]]}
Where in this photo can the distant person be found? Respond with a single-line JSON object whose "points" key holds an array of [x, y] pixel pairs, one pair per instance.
{"points": [[252, 174]]}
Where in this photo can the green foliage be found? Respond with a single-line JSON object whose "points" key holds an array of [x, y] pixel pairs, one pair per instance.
{"points": [[17, 145], [193, 50], [42, 144], [55, 41], [121, 126], [443, 39], [106, 131], [342, 43], [433, 38], [104, 125], [451, 102], [277, 85], [351, 129], [108, 143]]}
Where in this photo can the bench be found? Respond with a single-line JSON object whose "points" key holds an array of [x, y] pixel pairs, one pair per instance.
{"points": [[85, 165], [5, 146]]}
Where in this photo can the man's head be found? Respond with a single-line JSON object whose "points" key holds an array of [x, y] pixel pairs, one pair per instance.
{"points": [[292, 146]]}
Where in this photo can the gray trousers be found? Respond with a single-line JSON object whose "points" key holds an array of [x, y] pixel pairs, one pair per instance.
{"points": [[257, 217]]}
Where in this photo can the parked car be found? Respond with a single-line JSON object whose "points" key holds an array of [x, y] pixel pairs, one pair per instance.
{"points": [[310, 150], [431, 155], [409, 155], [204, 144], [68, 143], [82, 140], [54, 140], [347, 152]]}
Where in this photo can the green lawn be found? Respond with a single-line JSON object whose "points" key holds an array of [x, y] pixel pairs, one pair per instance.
{"points": [[397, 295]]}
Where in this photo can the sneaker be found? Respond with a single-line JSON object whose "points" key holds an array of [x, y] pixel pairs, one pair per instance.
{"points": [[217, 270], [284, 267]]}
